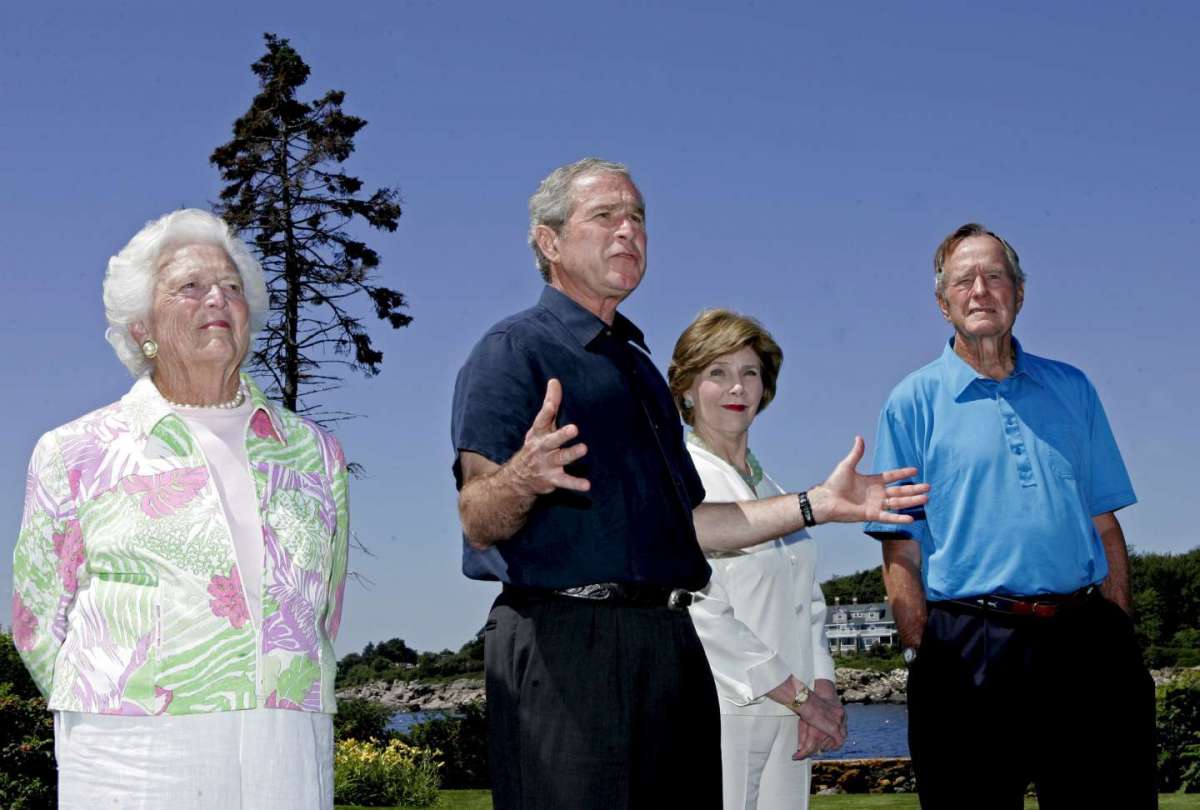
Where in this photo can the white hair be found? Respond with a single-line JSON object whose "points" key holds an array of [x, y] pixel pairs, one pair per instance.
{"points": [[129, 282]]}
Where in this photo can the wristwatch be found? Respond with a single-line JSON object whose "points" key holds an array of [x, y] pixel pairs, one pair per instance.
{"points": [[803, 693], [909, 654]]}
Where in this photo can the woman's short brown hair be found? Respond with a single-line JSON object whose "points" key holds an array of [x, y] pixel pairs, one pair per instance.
{"points": [[714, 333]]}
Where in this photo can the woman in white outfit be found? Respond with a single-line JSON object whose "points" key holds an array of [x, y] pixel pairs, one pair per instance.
{"points": [[762, 615]]}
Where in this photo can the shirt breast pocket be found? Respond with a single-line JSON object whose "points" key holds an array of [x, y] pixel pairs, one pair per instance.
{"points": [[1060, 446]]}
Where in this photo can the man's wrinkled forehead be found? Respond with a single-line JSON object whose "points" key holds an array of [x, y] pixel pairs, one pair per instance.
{"points": [[602, 189], [979, 253]]}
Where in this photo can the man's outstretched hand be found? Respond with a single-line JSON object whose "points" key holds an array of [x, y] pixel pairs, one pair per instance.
{"points": [[848, 496]]}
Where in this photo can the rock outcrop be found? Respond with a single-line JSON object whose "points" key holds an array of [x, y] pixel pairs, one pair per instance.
{"points": [[418, 696], [831, 776], [868, 686]]}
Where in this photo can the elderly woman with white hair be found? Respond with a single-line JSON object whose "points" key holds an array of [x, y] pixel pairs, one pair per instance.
{"points": [[179, 572]]}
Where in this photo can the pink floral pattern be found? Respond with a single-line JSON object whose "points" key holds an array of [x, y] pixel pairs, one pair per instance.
{"points": [[274, 701], [227, 597], [175, 593], [24, 624], [73, 479], [260, 423], [68, 547], [166, 492]]}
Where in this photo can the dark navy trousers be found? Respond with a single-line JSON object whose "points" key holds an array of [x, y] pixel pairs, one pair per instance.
{"points": [[997, 701], [595, 706]]}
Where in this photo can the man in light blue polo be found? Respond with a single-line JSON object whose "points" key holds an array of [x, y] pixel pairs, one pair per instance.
{"points": [[1011, 592]]}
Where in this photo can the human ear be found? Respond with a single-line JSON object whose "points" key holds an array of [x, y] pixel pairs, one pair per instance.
{"points": [[547, 242], [942, 305]]}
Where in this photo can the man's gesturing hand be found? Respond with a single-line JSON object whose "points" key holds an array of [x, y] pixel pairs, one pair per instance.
{"points": [[848, 496], [495, 499], [538, 467]]}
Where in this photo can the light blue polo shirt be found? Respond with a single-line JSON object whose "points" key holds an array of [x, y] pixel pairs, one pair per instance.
{"points": [[1018, 468]]}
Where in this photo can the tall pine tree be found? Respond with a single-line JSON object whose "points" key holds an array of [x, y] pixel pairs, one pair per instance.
{"points": [[285, 191]]}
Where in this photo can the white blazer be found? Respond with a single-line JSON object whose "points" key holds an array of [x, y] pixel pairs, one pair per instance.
{"points": [[762, 615]]}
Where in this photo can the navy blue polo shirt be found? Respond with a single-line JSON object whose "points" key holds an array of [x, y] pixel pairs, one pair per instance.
{"points": [[635, 524]]}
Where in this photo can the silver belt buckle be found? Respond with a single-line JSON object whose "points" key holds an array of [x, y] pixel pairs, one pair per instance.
{"points": [[679, 599], [597, 591]]}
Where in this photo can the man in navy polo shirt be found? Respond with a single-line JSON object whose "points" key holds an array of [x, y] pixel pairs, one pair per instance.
{"points": [[1011, 592], [599, 694]]}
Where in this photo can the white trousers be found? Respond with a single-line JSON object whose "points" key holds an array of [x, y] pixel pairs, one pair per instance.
{"points": [[757, 769], [256, 759]]}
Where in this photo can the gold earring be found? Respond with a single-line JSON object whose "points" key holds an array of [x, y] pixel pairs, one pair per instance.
{"points": [[149, 348]]}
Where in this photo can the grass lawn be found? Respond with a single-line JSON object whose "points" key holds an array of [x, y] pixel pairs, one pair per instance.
{"points": [[481, 800]]}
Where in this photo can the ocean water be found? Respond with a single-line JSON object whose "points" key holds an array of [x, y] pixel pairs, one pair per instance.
{"points": [[875, 731], [878, 730], [404, 721]]}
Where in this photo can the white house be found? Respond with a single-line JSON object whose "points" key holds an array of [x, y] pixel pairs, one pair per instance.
{"points": [[858, 628]]}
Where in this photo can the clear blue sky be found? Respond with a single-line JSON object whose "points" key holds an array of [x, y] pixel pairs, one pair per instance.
{"points": [[800, 162]]}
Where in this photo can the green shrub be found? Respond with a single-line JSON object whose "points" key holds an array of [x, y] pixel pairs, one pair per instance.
{"points": [[28, 777], [1179, 734], [362, 719], [876, 659], [12, 670], [462, 739], [374, 774]]}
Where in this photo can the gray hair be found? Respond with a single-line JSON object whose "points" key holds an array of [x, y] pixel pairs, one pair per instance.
{"points": [[551, 205], [129, 282], [946, 248]]}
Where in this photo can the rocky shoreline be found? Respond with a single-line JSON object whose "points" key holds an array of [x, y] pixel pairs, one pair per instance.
{"points": [[418, 696], [854, 686]]}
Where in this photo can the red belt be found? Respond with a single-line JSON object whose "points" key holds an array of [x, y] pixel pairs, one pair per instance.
{"points": [[1042, 606]]}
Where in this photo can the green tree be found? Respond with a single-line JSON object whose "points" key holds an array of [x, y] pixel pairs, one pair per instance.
{"points": [[462, 739], [1178, 705], [396, 651], [12, 670], [286, 190], [27, 770], [362, 719], [1166, 602], [865, 586]]}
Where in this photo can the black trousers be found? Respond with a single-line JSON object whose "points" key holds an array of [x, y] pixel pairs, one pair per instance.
{"points": [[599, 706], [996, 702]]}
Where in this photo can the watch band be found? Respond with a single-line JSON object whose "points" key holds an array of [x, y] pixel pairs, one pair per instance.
{"points": [[803, 693], [806, 509]]}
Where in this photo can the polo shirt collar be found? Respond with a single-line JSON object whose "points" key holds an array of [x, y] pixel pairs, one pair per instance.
{"points": [[960, 374], [583, 325]]}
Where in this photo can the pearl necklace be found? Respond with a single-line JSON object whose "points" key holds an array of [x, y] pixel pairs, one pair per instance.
{"points": [[226, 406]]}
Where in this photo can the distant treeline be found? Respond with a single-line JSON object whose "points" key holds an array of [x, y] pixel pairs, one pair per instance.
{"points": [[394, 660], [1166, 598]]}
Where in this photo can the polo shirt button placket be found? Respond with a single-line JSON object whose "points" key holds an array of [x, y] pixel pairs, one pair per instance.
{"points": [[1016, 443]]}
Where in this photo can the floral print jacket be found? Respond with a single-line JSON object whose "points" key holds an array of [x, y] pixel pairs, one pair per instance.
{"points": [[127, 597]]}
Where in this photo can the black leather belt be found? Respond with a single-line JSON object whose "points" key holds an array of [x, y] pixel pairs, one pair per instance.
{"points": [[1041, 606], [616, 593]]}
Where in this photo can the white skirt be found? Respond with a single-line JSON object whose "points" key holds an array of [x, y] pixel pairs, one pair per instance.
{"points": [[256, 759]]}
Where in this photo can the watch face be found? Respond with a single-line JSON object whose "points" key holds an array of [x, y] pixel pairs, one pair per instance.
{"points": [[910, 655]]}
